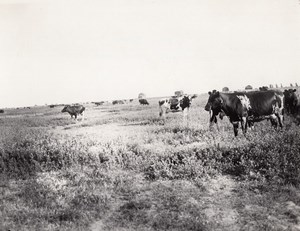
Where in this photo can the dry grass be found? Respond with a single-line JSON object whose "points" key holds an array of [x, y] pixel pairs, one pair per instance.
{"points": [[123, 168]]}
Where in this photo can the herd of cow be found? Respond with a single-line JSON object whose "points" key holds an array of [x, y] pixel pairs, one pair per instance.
{"points": [[243, 108]]}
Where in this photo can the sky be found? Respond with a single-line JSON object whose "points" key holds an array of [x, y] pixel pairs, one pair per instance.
{"points": [[68, 51]]}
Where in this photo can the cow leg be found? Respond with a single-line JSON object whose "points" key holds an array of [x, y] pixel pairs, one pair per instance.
{"points": [[250, 124], [217, 125], [185, 114], [216, 122], [280, 119], [212, 120], [244, 124], [273, 120], [82, 116], [235, 128], [162, 113]]}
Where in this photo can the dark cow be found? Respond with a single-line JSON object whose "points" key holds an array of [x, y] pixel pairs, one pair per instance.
{"points": [[99, 103], [1, 111], [117, 102], [52, 106], [174, 104], [246, 107], [263, 88], [290, 101], [143, 102], [74, 111], [130, 100]]}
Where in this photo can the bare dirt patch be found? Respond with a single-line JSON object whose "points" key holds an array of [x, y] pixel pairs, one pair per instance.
{"points": [[216, 203]]}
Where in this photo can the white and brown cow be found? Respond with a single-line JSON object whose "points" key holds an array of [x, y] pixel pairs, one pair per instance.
{"points": [[175, 104]]}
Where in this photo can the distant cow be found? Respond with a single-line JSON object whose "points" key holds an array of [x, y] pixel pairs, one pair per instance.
{"points": [[99, 103], [51, 106], [74, 111], [263, 88], [290, 101], [174, 104], [117, 102], [1, 111], [130, 100], [246, 107], [143, 102]]}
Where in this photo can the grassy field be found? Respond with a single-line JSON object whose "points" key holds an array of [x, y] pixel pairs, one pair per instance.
{"points": [[123, 168]]}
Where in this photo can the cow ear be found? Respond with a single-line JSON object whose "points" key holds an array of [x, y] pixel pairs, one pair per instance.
{"points": [[209, 92], [217, 93], [294, 90]]}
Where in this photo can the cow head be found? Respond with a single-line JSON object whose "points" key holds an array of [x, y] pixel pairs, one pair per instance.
{"points": [[289, 94], [214, 102]]}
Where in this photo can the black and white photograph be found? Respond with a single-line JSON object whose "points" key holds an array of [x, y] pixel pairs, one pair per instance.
{"points": [[149, 115]]}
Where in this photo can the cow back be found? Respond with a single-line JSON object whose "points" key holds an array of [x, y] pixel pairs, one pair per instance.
{"points": [[264, 102]]}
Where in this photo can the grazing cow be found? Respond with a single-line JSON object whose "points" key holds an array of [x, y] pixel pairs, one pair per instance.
{"points": [[263, 88], [99, 103], [246, 107], [130, 100], [174, 104], [290, 101], [143, 102], [1, 111], [117, 102], [74, 111], [52, 106]]}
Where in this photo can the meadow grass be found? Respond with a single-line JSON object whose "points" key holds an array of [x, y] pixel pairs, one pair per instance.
{"points": [[123, 168]]}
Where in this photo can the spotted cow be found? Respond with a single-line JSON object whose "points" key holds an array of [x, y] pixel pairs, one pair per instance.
{"points": [[246, 107], [174, 104]]}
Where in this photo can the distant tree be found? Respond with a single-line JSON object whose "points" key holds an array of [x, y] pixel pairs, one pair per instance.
{"points": [[296, 84], [276, 85], [141, 96], [225, 89], [248, 87], [178, 93], [281, 85], [291, 85], [271, 85]]}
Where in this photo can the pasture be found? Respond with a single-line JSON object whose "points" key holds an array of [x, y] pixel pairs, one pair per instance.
{"points": [[123, 168]]}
